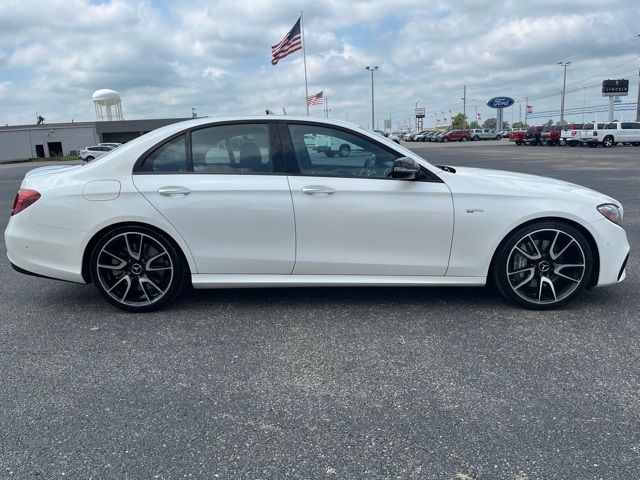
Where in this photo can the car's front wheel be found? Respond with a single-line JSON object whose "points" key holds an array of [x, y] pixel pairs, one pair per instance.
{"points": [[543, 265], [137, 269]]}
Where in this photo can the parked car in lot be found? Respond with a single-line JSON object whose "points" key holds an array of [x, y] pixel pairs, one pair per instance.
{"points": [[420, 137], [111, 144], [211, 203], [613, 133], [436, 137], [517, 135], [484, 134], [551, 135], [575, 134], [91, 153], [455, 136], [332, 146], [530, 136]]}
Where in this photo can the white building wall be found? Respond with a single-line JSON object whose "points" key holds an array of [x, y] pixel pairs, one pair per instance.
{"points": [[20, 144], [15, 145]]}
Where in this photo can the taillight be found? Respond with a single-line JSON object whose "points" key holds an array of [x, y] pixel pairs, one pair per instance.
{"points": [[24, 198], [595, 134]]}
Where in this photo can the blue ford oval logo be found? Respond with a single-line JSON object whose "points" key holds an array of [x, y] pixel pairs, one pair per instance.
{"points": [[500, 102]]}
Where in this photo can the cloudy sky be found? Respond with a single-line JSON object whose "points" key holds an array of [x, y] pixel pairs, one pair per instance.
{"points": [[166, 56]]}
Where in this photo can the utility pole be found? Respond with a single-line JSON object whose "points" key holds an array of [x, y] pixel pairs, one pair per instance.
{"points": [[372, 69], [564, 85], [464, 105], [638, 107], [526, 111]]}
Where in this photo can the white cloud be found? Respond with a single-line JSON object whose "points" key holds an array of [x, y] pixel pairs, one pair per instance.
{"points": [[166, 57]]}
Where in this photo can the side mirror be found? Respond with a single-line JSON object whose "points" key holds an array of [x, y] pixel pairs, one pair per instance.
{"points": [[405, 168]]}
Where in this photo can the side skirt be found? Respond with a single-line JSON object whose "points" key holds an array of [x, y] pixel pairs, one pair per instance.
{"points": [[252, 281]]}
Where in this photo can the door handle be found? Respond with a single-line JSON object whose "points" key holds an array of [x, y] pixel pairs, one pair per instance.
{"points": [[318, 190], [173, 191]]}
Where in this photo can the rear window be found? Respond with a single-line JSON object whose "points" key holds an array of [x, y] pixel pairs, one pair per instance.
{"points": [[170, 157]]}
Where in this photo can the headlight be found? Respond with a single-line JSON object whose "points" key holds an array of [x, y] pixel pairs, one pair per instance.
{"points": [[611, 212]]}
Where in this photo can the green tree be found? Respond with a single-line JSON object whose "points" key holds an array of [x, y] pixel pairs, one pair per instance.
{"points": [[549, 123], [489, 123], [458, 122], [505, 124], [474, 124], [518, 125]]}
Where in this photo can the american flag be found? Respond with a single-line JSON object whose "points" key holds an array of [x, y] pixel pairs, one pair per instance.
{"points": [[317, 99], [292, 42]]}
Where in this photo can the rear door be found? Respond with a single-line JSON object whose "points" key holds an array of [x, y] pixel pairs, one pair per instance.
{"points": [[223, 187]]}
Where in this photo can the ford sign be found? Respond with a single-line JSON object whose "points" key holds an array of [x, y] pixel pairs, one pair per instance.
{"points": [[500, 102]]}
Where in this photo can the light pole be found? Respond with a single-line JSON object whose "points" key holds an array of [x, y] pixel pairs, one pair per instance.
{"points": [[372, 69], [564, 85]]}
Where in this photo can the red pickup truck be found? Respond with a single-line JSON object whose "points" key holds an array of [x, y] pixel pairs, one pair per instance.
{"points": [[537, 135]]}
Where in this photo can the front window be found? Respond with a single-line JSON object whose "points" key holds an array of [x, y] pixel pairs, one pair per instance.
{"points": [[322, 151]]}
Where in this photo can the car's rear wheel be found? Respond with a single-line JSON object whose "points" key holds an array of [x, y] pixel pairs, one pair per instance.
{"points": [[636, 144], [445, 140], [518, 142], [463, 139], [137, 269], [607, 142], [543, 265], [88, 159]]}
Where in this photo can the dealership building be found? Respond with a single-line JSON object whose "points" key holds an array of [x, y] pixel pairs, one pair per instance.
{"points": [[24, 142]]}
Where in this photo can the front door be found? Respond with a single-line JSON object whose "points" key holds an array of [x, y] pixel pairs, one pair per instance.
{"points": [[352, 219], [224, 189]]}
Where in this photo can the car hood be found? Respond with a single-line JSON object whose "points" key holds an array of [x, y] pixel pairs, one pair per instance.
{"points": [[531, 185]]}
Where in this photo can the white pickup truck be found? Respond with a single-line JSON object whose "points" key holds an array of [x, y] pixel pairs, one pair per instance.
{"points": [[613, 133], [332, 146], [579, 133]]}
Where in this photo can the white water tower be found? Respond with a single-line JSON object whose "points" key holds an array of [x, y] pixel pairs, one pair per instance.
{"points": [[108, 105]]}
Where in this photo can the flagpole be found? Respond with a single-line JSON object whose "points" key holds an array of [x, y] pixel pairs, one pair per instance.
{"points": [[304, 60]]}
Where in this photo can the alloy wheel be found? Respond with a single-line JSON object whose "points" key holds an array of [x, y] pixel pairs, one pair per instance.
{"points": [[545, 266], [134, 269]]}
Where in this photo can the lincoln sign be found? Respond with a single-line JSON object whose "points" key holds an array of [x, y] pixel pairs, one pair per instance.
{"points": [[500, 102], [615, 88]]}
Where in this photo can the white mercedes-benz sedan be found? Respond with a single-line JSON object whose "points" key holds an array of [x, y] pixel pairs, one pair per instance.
{"points": [[256, 202]]}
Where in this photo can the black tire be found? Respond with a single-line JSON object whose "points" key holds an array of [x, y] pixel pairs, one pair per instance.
{"points": [[329, 154], [608, 142], [88, 159], [573, 144], [636, 144], [464, 139], [518, 142], [531, 277], [445, 139], [592, 144], [344, 151], [475, 138], [159, 266], [498, 137]]}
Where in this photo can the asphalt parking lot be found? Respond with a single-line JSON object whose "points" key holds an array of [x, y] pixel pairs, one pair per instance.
{"points": [[444, 383]]}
